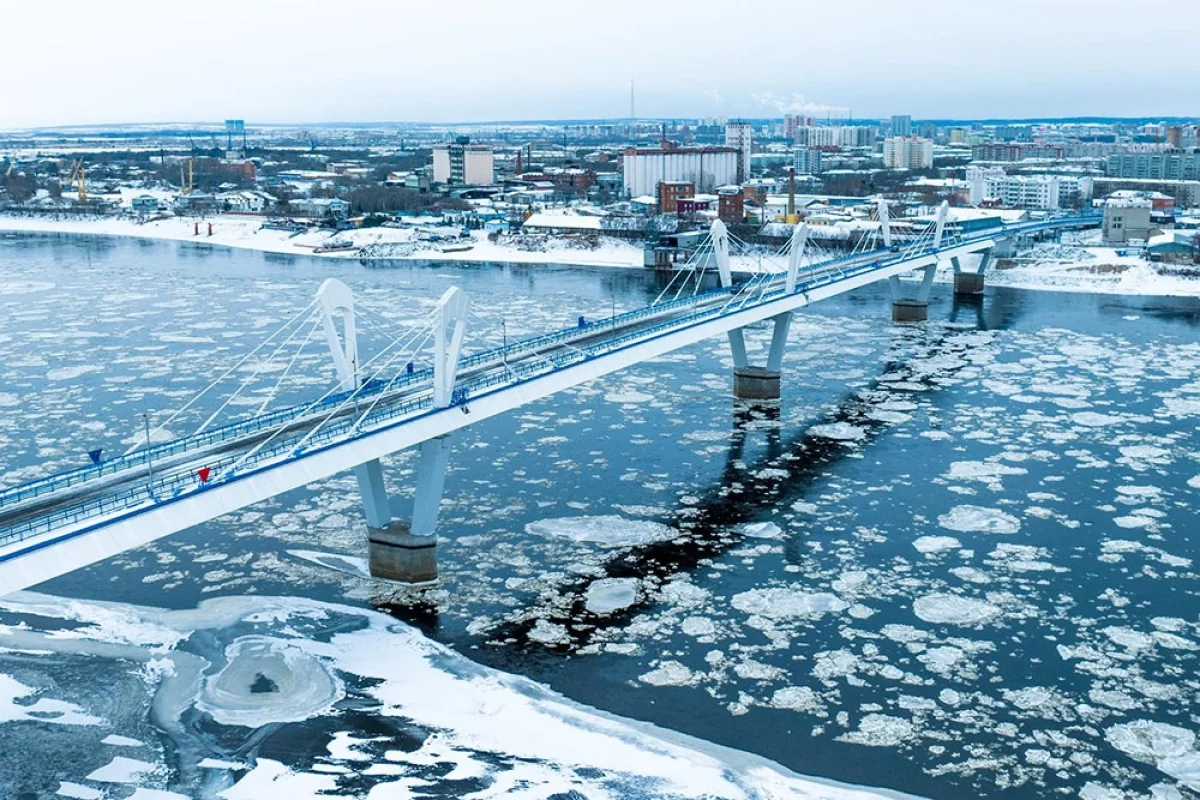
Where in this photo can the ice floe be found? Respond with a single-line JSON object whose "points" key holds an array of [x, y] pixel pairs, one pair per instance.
{"points": [[1150, 741], [606, 530], [548, 743], [931, 545], [44, 709], [782, 603], [122, 770], [839, 431], [990, 473], [954, 609], [267, 680], [880, 730], [761, 530], [978, 519], [611, 594]]}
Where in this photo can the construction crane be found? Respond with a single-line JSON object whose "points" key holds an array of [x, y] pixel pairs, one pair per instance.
{"points": [[187, 183], [80, 173]]}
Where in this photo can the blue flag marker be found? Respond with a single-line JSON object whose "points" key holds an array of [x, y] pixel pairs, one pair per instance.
{"points": [[94, 455]]}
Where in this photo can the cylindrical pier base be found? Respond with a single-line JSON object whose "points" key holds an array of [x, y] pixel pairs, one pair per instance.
{"points": [[909, 311], [968, 283], [397, 555], [755, 383]]}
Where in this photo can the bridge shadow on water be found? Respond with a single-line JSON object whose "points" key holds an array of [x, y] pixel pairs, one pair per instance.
{"points": [[766, 467]]}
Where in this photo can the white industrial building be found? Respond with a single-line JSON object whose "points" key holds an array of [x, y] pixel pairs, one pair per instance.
{"points": [[738, 136], [907, 152], [463, 164], [1046, 192], [707, 167]]}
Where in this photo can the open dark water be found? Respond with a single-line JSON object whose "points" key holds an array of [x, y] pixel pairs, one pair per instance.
{"points": [[957, 560]]}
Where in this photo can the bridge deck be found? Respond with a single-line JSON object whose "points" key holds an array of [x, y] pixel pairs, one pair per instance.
{"points": [[248, 460]]}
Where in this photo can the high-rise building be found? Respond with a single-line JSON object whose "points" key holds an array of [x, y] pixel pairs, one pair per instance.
{"points": [[902, 125], [731, 204], [793, 121], [835, 136], [806, 160], [461, 163], [1125, 219], [1016, 152], [907, 152], [738, 135]]}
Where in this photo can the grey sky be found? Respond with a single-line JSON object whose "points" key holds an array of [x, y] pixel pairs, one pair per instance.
{"points": [[369, 60]]}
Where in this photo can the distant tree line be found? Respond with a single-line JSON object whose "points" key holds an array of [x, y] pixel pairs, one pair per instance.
{"points": [[393, 199]]}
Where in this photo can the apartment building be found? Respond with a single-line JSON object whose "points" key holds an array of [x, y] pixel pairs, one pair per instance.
{"points": [[461, 163], [1173, 166], [907, 152]]}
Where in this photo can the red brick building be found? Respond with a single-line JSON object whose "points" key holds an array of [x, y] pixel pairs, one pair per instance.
{"points": [[671, 192], [731, 204]]}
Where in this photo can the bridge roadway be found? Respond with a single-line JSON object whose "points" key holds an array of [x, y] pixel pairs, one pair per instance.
{"points": [[66, 521]]}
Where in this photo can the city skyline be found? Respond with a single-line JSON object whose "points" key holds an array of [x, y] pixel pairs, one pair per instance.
{"points": [[287, 64]]}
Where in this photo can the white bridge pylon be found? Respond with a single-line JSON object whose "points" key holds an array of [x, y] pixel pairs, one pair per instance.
{"points": [[401, 549], [337, 303], [451, 313]]}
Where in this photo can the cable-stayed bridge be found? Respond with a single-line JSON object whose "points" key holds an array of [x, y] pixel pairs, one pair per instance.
{"points": [[420, 387]]}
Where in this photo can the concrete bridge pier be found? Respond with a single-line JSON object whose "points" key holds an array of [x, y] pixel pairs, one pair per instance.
{"points": [[759, 383], [970, 283], [912, 305], [400, 550]]}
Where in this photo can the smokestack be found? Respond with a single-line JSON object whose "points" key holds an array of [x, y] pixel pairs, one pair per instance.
{"points": [[791, 193]]}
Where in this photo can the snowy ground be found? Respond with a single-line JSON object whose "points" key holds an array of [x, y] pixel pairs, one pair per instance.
{"points": [[381, 243], [1079, 265], [1082, 264]]}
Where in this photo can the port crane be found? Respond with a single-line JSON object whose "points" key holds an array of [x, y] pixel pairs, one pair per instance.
{"points": [[187, 182], [79, 173]]}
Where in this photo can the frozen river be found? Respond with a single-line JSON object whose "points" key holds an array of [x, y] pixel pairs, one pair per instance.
{"points": [[958, 561]]}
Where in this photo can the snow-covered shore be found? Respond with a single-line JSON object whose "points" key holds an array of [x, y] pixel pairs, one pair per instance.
{"points": [[1088, 266], [246, 232], [1084, 266]]}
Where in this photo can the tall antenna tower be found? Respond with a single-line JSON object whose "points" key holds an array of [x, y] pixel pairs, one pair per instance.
{"points": [[632, 115]]}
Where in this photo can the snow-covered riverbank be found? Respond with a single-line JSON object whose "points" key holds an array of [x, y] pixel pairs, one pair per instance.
{"points": [[1084, 266], [247, 232]]}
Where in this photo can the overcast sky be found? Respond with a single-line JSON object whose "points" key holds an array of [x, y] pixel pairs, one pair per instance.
{"points": [[265, 61]]}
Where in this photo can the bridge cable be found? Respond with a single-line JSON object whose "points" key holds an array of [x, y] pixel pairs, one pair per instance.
{"points": [[249, 379], [275, 389], [354, 394], [224, 375]]}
